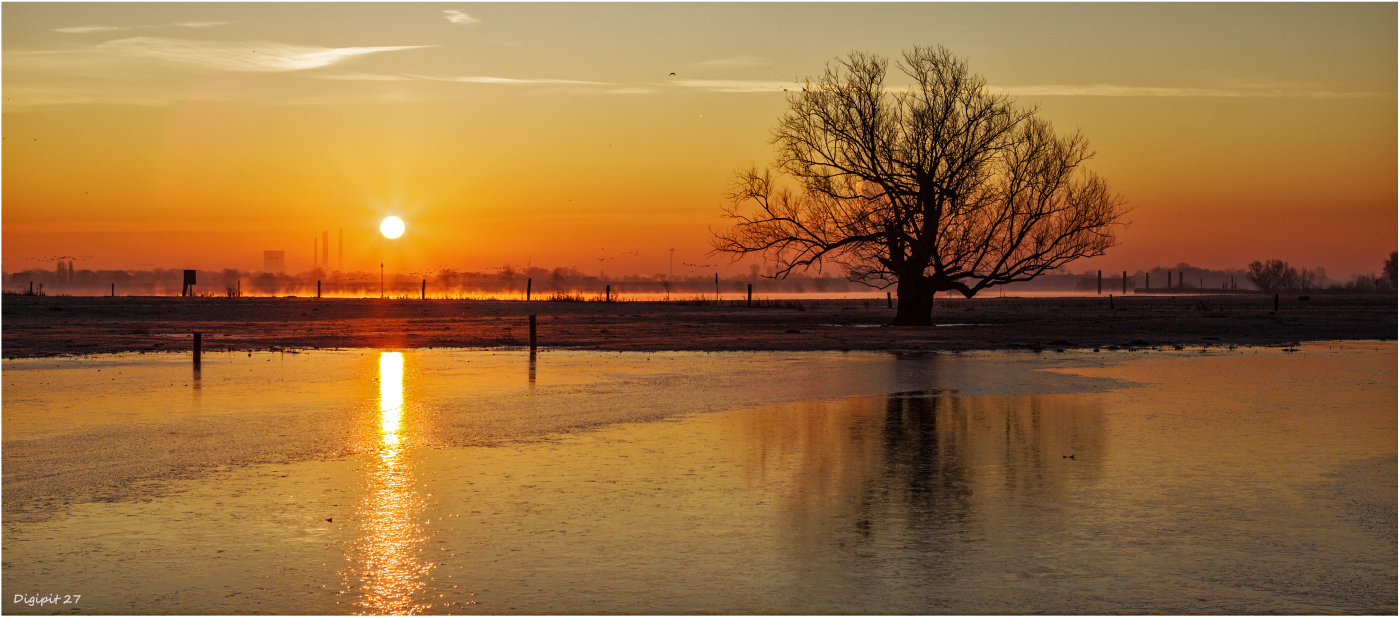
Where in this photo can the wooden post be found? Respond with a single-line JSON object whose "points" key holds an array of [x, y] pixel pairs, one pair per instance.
{"points": [[528, 283], [716, 287], [889, 300], [424, 292], [532, 334], [240, 288], [318, 289], [1100, 282], [749, 301], [1110, 301], [1125, 281], [114, 290], [198, 345], [607, 293]]}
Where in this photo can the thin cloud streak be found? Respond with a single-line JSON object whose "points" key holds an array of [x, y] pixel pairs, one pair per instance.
{"points": [[1148, 91], [96, 28], [736, 85], [249, 56], [458, 17], [88, 29], [466, 80], [509, 80], [734, 61]]}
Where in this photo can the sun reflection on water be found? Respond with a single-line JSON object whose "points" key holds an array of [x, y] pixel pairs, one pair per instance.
{"points": [[390, 396], [387, 551]]}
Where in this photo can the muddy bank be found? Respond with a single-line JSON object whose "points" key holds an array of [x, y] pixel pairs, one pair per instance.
{"points": [[46, 326]]}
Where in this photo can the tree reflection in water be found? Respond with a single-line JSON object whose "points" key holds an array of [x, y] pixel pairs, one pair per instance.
{"points": [[878, 488]]}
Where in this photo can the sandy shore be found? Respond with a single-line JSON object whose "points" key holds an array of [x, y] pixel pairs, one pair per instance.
{"points": [[47, 326]]}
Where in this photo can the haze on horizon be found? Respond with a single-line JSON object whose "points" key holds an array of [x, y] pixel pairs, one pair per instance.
{"points": [[602, 136]]}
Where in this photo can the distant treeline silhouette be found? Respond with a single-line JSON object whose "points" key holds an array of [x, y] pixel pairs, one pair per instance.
{"points": [[506, 281], [510, 282]]}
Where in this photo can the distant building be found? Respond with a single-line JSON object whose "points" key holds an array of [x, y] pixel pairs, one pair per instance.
{"points": [[275, 261]]}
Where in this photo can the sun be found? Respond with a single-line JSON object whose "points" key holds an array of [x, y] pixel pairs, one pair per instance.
{"points": [[392, 227]]}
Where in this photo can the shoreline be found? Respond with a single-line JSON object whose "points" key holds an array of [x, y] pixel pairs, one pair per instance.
{"points": [[75, 325]]}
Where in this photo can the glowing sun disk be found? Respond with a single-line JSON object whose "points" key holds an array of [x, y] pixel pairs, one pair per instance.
{"points": [[392, 227]]}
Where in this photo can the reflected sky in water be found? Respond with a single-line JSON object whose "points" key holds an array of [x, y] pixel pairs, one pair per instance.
{"points": [[1230, 483]]}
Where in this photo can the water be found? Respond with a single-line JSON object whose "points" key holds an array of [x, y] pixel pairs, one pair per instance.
{"points": [[466, 482]]}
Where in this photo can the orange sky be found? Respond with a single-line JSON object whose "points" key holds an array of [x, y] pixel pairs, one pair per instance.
{"points": [[199, 135]]}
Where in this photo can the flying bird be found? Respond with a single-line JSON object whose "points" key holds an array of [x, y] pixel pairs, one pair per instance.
{"points": [[673, 75]]}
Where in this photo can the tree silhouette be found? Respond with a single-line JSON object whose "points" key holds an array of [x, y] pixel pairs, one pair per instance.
{"points": [[942, 185], [1276, 274]]}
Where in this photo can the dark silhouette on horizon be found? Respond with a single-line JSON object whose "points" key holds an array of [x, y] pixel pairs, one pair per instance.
{"points": [[945, 187]]}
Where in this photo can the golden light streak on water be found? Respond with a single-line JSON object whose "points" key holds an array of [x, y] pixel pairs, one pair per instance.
{"points": [[390, 396], [387, 552]]}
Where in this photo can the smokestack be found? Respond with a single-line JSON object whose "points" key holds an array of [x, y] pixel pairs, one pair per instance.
{"points": [[326, 249]]}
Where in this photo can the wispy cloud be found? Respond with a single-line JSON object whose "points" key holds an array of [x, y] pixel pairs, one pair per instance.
{"points": [[180, 24], [366, 77], [88, 29], [458, 17], [237, 55], [511, 80], [736, 85], [1140, 91], [466, 80], [734, 61]]}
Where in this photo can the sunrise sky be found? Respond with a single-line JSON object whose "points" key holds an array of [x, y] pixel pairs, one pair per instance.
{"points": [[199, 135]]}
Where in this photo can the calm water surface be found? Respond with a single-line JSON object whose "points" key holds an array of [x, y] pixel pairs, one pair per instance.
{"points": [[465, 482]]}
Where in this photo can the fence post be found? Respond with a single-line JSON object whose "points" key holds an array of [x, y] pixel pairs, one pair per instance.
{"points": [[716, 287], [1110, 301], [1100, 282], [424, 293], [1125, 281], [318, 289], [532, 334], [749, 301], [607, 293], [114, 290], [528, 283], [889, 300], [198, 347]]}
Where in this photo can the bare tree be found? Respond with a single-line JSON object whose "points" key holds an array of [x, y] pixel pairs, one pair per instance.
{"points": [[940, 186], [1276, 274]]}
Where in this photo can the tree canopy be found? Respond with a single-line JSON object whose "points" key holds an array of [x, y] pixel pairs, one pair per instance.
{"points": [[938, 185]]}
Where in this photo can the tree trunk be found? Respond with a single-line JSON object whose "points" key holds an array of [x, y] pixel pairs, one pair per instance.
{"points": [[915, 301]]}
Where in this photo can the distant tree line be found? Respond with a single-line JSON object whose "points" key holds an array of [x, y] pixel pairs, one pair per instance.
{"points": [[1277, 275], [507, 281], [510, 281]]}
